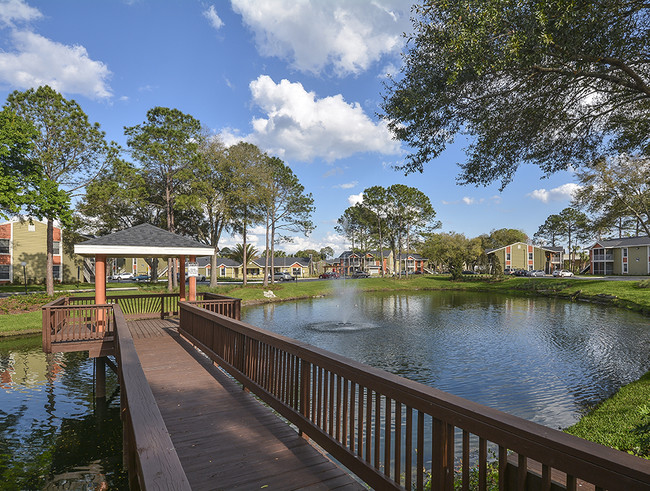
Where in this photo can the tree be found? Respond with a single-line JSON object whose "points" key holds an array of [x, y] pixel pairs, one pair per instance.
{"points": [[246, 164], [326, 252], [166, 144], [505, 236], [243, 255], [18, 174], [617, 190], [375, 199], [288, 208], [575, 226], [555, 84], [451, 251], [409, 215], [550, 231], [356, 224], [69, 150], [211, 189]]}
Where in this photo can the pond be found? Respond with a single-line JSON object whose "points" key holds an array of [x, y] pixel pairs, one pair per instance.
{"points": [[53, 433], [545, 360]]}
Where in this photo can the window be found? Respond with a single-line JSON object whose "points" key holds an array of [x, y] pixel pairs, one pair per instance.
{"points": [[507, 256], [56, 271], [4, 246], [297, 272], [530, 256], [4, 272], [56, 248], [624, 251], [624, 268]]}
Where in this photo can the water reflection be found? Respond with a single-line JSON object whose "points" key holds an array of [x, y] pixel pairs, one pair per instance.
{"points": [[541, 359], [53, 433]]}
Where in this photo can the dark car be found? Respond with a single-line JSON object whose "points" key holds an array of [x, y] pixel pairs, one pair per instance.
{"points": [[329, 275], [360, 274], [142, 277]]}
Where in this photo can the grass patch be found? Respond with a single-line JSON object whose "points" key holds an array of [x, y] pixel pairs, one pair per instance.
{"points": [[21, 323], [622, 421]]}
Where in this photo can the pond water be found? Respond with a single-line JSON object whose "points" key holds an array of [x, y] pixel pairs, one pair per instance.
{"points": [[541, 359], [53, 433], [544, 360]]}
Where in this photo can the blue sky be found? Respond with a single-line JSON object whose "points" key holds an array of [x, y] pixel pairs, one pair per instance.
{"points": [[300, 79]]}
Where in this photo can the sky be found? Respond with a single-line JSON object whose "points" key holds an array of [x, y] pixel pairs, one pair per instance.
{"points": [[301, 79]]}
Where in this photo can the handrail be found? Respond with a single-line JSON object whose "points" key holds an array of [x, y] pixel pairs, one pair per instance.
{"points": [[148, 448], [374, 422]]}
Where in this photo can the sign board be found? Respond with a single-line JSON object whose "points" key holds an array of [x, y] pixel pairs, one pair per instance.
{"points": [[192, 269]]}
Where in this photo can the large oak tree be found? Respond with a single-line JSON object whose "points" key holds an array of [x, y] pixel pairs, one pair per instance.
{"points": [[550, 83]]}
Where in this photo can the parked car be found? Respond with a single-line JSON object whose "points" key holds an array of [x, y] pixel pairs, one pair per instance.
{"points": [[536, 272], [281, 277], [329, 275], [122, 276], [360, 274], [562, 273], [142, 277], [519, 272]]}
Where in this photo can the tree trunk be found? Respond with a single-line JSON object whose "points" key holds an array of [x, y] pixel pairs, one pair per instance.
{"points": [[213, 268], [266, 256]]}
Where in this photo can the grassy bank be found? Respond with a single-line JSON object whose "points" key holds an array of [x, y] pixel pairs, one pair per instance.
{"points": [[622, 421]]}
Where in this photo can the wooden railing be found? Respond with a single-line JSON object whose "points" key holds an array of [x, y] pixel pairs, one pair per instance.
{"points": [[149, 452], [220, 304], [64, 323], [141, 305], [398, 434]]}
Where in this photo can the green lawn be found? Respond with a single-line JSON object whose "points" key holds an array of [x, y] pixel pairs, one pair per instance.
{"points": [[622, 421]]}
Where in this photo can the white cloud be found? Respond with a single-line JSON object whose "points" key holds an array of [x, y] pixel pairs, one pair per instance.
{"points": [[333, 172], [472, 201], [315, 35], [230, 136], [564, 192], [353, 199], [300, 126], [17, 10], [213, 17], [346, 185], [39, 61]]}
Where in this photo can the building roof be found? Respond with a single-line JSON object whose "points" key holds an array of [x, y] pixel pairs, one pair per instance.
{"points": [[414, 255], [544, 248], [143, 241], [283, 262], [623, 242], [221, 261]]}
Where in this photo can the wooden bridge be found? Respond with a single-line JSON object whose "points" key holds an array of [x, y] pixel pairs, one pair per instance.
{"points": [[317, 421]]}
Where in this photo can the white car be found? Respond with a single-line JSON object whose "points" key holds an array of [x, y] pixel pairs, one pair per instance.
{"points": [[122, 276], [562, 273]]}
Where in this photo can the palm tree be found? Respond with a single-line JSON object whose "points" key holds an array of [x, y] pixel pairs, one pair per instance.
{"points": [[237, 254]]}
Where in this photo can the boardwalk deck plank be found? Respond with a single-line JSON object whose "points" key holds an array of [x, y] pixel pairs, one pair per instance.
{"points": [[224, 437]]}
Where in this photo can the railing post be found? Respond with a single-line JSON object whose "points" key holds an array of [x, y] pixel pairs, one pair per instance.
{"points": [[305, 388], [237, 310], [47, 342], [162, 306]]}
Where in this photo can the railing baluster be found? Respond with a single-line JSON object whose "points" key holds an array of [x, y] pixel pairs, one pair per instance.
{"points": [[368, 424], [408, 449], [377, 425], [546, 477], [387, 436], [419, 476], [522, 471], [398, 442]]}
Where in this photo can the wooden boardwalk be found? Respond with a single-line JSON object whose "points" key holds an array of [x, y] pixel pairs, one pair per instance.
{"points": [[224, 437]]}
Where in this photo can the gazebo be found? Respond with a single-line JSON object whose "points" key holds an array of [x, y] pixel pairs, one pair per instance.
{"points": [[142, 241]]}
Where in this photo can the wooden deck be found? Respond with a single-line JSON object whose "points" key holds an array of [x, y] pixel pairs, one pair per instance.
{"points": [[224, 437]]}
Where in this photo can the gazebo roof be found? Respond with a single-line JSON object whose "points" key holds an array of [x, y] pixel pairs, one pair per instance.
{"points": [[142, 241]]}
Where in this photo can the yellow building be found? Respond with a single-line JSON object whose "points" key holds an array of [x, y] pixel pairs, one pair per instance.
{"points": [[23, 252]]}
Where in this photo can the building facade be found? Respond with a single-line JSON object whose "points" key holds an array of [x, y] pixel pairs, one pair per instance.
{"points": [[528, 257], [625, 256], [23, 254]]}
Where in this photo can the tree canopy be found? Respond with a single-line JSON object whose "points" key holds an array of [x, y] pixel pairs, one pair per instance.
{"points": [[550, 83]]}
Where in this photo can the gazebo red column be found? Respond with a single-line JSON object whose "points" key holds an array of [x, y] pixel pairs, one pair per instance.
{"points": [[100, 288], [181, 277], [100, 279], [192, 295]]}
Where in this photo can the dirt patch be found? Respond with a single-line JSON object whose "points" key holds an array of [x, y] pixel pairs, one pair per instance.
{"points": [[19, 304]]}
